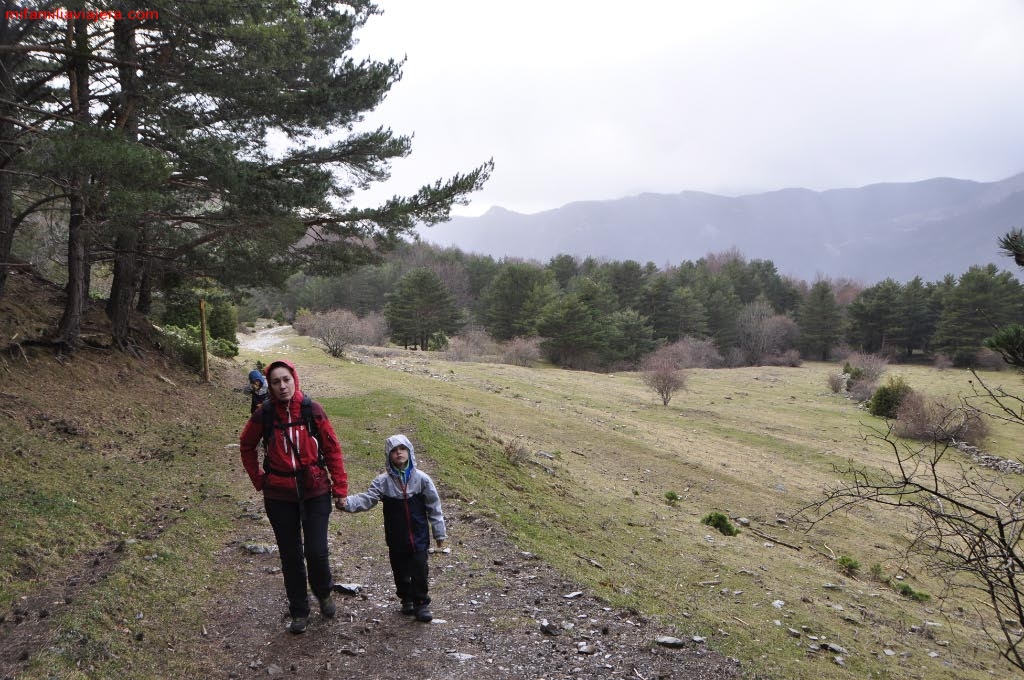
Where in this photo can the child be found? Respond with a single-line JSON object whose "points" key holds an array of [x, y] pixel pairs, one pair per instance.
{"points": [[411, 504], [258, 389]]}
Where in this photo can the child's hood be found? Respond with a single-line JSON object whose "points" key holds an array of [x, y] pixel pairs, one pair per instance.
{"points": [[256, 376], [398, 440]]}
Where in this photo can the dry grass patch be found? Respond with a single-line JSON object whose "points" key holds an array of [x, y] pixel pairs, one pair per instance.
{"points": [[752, 442]]}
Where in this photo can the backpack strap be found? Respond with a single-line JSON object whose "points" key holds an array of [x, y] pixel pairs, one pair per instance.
{"points": [[269, 416]]}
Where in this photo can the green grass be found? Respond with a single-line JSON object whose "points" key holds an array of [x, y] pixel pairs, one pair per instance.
{"points": [[758, 443], [766, 450]]}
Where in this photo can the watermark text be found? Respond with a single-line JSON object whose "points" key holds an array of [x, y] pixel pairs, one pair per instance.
{"points": [[86, 14]]}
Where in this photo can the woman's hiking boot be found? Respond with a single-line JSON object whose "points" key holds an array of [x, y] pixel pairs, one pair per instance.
{"points": [[408, 607], [327, 607], [298, 624]]}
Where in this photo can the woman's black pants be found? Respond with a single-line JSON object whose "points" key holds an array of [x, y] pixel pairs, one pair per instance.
{"points": [[303, 544]]}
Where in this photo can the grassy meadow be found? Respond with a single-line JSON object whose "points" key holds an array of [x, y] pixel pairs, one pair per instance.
{"points": [[131, 485], [577, 466]]}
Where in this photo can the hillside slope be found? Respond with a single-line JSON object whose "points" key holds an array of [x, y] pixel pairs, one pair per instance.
{"points": [[132, 545]]}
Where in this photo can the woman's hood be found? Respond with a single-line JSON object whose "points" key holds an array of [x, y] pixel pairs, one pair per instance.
{"points": [[287, 364]]}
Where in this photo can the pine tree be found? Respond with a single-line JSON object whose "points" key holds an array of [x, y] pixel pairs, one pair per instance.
{"points": [[419, 308], [819, 318]]}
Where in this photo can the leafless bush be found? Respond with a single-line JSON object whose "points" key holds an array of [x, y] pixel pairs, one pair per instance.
{"points": [[868, 367], [942, 362], [862, 390], [928, 419], [459, 350], [988, 360], [516, 453], [965, 527], [837, 382], [661, 375], [472, 344], [340, 328], [690, 353], [373, 330], [304, 321], [521, 351], [789, 358], [762, 334]]}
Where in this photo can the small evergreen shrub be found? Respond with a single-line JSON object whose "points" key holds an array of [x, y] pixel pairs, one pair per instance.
{"points": [[721, 522], [906, 591], [672, 497], [877, 572], [854, 372], [185, 343], [885, 402], [848, 565]]}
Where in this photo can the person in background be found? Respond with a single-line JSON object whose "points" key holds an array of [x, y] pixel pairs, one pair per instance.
{"points": [[257, 389], [412, 510], [303, 467]]}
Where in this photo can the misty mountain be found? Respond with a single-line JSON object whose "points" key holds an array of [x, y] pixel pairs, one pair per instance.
{"points": [[929, 228]]}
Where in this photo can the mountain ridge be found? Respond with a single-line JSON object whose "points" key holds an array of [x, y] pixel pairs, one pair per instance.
{"points": [[929, 228]]}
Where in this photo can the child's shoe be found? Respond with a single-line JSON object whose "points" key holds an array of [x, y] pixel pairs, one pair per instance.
{"points": [[424, 614], [408, 607]]}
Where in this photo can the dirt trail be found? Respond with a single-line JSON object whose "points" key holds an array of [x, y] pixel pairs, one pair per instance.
{"points": [[499, 612]]}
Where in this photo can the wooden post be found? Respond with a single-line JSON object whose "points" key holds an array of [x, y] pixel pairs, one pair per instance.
{"points": [[202, 334]]}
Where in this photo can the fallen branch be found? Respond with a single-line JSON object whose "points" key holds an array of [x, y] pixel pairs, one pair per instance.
{"points": [[592, 562], [773, 539]]}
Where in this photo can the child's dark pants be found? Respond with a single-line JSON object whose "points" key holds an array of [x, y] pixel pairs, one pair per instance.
{"points": [[410, 572]]}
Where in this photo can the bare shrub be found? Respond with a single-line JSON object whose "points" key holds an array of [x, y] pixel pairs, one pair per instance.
{"points": [[735, 357], [690, 352], [867, 366], [988, 360], [521, 351], [837, 382], [942, 362], [304, 321], [663, 376], [789, 358], [459, 349], [862, 390], [340, 328], [373, 330], [516, 453], [929, 419], [472, 344]]}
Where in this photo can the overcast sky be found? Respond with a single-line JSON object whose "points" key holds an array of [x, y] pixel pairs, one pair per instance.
{"points": [[591, 100]]}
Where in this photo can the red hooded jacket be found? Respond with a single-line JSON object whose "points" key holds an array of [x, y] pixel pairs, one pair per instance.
{"points": [[302, 452]]}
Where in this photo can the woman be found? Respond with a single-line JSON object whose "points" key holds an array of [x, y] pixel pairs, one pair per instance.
{"points": [[302, 469]]}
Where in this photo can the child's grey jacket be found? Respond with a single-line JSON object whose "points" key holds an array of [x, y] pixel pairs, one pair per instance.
{"points": [[412, 507]]}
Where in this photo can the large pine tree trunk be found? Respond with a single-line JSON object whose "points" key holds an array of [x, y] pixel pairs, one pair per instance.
{"points": [[6, 215], [122, 290], [127, 259], [70, 329], [7, 150]]}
